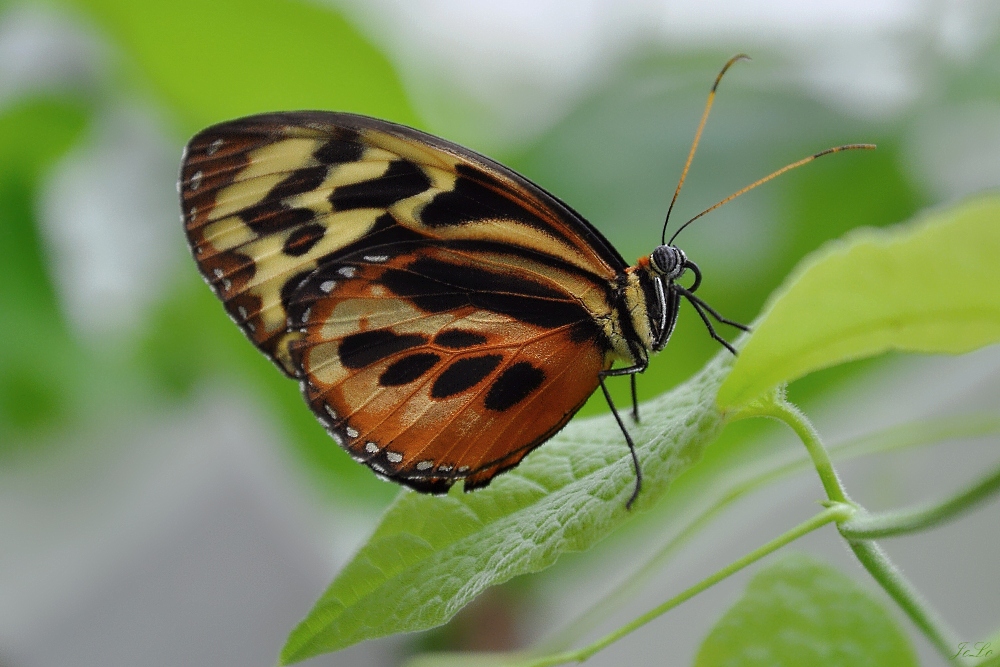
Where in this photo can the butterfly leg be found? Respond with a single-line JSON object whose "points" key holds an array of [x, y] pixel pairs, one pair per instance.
{"points": [[700, 306], [711, 330], [711, 311], [630, 371], [635, 400]]}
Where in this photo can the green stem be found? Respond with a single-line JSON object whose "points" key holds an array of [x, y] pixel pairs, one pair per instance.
{"points": [[870, 554], [837, 512], [885, 524], [906, 596], [777, 408]]}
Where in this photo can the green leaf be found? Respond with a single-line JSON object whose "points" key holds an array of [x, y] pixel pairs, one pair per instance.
{"points": [[803, 612], [925, 286], [431, 555], [226, 58]]}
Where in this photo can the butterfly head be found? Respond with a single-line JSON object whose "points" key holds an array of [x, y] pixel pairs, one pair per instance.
{"points": [[669, 263], [666, 265]]}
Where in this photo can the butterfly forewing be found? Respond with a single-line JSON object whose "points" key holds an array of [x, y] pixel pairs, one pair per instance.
{"points": [[444, 315]]}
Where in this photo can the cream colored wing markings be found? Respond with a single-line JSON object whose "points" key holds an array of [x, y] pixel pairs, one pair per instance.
{"points": [[226, 231], [440, 166], [388, 141], [578, 240], [243, 195], [413, 151]]}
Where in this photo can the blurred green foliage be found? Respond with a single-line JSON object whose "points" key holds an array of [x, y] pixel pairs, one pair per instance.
{"points": [[39, 363], [212, 61]]}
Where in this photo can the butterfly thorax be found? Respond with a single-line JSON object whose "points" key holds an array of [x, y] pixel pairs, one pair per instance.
{"points": [[645, 308]]}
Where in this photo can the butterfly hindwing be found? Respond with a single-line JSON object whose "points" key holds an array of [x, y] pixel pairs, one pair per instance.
{"points": [[431, 369], [444, 314]]}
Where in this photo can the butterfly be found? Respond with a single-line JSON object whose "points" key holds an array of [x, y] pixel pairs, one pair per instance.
{"points": [[443, 314]]}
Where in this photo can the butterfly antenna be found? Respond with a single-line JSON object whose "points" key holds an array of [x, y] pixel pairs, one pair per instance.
{"points": [[789, 167], [697, 137]]}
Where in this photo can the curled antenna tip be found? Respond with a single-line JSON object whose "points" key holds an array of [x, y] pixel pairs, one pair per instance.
{"points": [[729, 63], [846, 147]]}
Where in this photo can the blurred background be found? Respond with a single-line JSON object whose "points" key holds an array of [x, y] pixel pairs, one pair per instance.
{"points": [[166, 497]]}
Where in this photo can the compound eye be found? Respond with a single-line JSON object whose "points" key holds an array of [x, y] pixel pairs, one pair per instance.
{"points": [[667, 261]]}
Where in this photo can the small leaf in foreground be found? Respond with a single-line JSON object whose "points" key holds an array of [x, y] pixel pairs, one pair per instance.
{"points": [[803, 612], [926, 286], [432, 555]]}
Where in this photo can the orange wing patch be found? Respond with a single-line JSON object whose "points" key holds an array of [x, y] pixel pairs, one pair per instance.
{"points": [[430, 370]]}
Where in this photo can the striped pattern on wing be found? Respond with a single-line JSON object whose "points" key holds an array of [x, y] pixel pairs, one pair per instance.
{"points": [[270, 199]]}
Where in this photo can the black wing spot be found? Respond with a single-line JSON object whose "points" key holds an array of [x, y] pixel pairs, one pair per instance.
{"points": [[270, 217], [299, 181], [588, 331], [464, 374], [456, 339], [347, 147], [368, 347], [472, 200], [288, 289], [401, 180], [408, 369], [435, 286], [513, 386], [427, 294], [303, 239]]}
